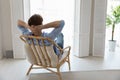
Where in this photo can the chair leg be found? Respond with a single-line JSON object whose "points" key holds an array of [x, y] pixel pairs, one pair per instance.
{"points": [[69, 63], [59, 74], [29, 69]]}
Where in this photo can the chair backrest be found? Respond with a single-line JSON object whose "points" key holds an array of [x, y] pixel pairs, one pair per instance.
{"points": [[40, 53]]}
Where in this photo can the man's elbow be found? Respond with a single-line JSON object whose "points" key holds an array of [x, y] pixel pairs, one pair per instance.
{"points": [[62, 23]]}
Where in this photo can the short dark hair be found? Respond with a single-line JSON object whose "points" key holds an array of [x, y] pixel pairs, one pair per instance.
{"points": [[35, 19]]}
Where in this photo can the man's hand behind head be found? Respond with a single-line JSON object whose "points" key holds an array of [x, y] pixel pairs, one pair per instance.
{"points": [[36, 30]]}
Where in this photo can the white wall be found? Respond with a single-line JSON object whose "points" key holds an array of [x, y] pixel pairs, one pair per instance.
{"points": [[0, 33], [1, 55], [5, 25], [89, 28], [76, 37], [82, 27], [17, 12], [99, 27], [11, 11]]}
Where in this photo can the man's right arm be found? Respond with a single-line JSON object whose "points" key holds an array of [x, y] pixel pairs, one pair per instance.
{"points": [[23, 27], [23, 24]]}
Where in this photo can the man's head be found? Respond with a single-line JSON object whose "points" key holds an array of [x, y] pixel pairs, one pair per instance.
{"points": [[35, 20]]}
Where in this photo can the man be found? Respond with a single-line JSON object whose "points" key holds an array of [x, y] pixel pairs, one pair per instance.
{"points": [[35, 27]]}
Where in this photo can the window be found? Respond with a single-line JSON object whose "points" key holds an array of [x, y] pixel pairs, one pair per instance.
{"points": [[52, 10]]}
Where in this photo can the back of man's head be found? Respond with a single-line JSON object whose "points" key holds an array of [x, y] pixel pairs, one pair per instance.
{"points": [[35, 20]]}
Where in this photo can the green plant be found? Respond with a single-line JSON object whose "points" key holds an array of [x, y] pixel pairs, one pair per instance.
{"points": [[113, 19]]}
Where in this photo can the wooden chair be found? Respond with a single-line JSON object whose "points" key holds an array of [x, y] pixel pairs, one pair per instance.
{"points": [[42, 55]]}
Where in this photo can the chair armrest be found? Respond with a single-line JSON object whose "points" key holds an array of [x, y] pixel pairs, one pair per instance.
{"points": [[68, 47], [66, 53]]}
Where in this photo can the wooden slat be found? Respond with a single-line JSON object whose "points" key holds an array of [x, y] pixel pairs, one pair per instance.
{"points": [[35, 52], [43, 57], [48, 58]]}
